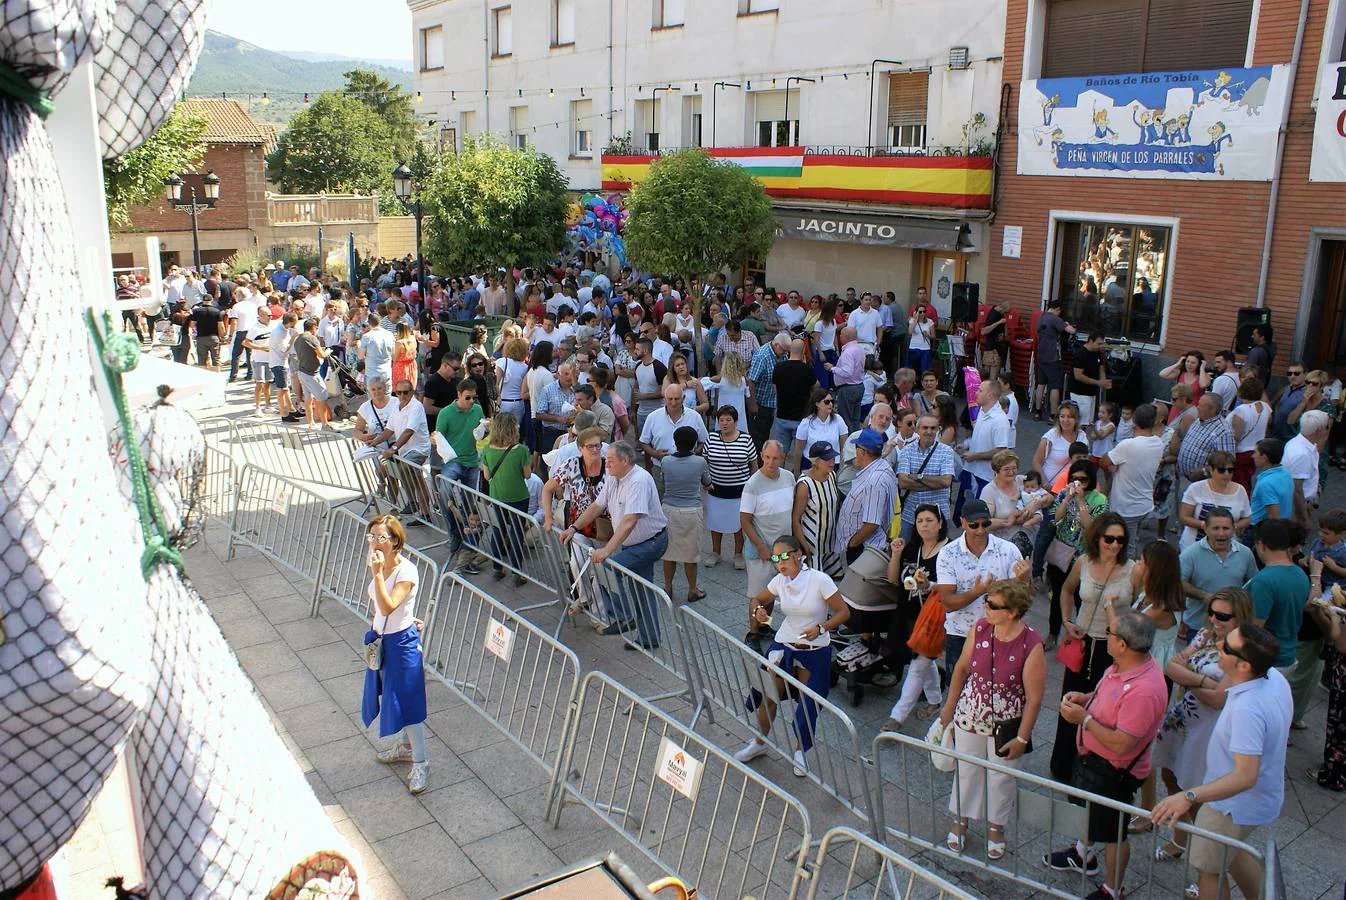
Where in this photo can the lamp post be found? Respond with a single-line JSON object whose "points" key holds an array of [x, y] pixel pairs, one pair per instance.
{"points": [[409, 192], [193, 206]]}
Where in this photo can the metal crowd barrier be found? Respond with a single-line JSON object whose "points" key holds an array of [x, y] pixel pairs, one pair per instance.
{"points": [[869, 868], [219, 488], [297, 453], [687, 805], [728, 673], [511, 539], [506, 668], [618, 594], [1044, 819], [281, 518], [345, 574]]}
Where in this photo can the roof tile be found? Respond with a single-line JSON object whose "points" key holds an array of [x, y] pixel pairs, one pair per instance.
{"points": [[227, 122]]}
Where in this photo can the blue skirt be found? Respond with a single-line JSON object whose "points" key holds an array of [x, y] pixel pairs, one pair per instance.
{"points": [[395, 693]]}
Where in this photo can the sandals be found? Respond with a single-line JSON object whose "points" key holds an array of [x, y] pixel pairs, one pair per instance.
{"points": [[995, 849], [927, 711], [1168, 851], [956, 840], [693, 596], [1140, 825]]}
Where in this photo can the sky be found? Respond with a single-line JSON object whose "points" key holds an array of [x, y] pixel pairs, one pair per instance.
{"points": [[366, 29]]}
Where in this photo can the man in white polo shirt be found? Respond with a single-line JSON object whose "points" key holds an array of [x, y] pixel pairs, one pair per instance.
{"points": [[656, 437], [868, 324], [1301, 461], [991, 432]]}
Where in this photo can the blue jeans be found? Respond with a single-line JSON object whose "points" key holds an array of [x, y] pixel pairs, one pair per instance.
{"points": [[818, 664], [783, 430], [953, 649], [919, 360], [236, 353], [636, 601], [466, 475]]}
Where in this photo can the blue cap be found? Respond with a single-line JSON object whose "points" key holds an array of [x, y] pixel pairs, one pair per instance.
{"points": [[870, 439]]}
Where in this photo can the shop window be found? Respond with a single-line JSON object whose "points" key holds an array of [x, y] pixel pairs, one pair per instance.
{"points": [[907, 97], [504, 31], [432, 48], [1112, 277], [1108, 37]]}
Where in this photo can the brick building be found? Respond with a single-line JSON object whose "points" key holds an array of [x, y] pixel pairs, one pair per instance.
{"points": [[1140, 165]]}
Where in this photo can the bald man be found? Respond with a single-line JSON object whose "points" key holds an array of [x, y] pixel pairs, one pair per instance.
{"points": [[848, 376], [762, 403], [794, 380]]}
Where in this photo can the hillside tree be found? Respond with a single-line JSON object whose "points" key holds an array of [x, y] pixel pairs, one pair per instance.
{"points": [[136, 178], [694, 215], [388, 101], [493, 206], [339, 145]]}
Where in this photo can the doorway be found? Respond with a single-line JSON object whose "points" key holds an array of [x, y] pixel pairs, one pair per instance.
{"points": [[942, 272], [1326, 345]]}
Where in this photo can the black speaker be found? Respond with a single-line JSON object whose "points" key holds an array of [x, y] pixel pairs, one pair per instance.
{"points": [[963, 307], [1249, 318]]}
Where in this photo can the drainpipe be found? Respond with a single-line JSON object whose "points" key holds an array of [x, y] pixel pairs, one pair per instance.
{"points": [[486, 61], [1280, 158], [611, 83], [872, 67]]}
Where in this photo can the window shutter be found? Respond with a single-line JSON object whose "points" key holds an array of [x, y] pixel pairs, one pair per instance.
{"points": [[673, 12], [565, 21], [1092, 37], [769, 106], [432, 48], [1196, 34], [907, 96]]}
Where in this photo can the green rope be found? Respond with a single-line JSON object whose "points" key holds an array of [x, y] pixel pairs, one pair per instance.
{"points": [[119, 352], [21, 89]]}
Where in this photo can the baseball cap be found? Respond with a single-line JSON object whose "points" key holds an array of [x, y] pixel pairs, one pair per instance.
{"points": [[822, 450], [872, 441], [976, 509], [268, 268]]}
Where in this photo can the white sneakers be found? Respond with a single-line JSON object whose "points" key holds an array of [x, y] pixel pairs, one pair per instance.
{"points": [[394, 754], [739, 562], [801, 769], [420, 777], [420, 772], [711, 560], [751, 750]]}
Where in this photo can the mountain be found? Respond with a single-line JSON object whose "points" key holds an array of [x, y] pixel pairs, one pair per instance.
{"points": [[237, 69], [314, 56]]}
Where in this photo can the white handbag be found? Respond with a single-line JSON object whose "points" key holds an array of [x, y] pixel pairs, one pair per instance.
{"points": [[941, 735]]}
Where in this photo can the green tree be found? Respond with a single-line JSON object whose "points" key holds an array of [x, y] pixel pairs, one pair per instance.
{"points": [[387, 100], [339, 145], [491, 206], [137, 178], [694, 215]]}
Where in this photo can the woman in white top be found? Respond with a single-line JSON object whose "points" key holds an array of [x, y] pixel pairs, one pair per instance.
{"points": [[822, 425], [395, 675], [1218, 490], [734, 386], [1249, 422], [1011, 518], [922, 341], [510, 370], [693, 394], [1053, 453], [813, 607], [539, 377], [624, 366]]}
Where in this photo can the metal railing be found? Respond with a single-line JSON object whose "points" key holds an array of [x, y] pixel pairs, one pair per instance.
{"points": [[219, 488], [503, 666], [688, 806], [283, 519], [732, 677], [299, 454], [344, 573], [870, 869], [1047, 816]]}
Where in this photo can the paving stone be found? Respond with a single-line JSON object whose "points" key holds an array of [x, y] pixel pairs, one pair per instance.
{"points": [[328, 661], [384, 807], [266, 659], [346, 763], [307, 633], [286, 690], [506, 769], [371, 864], [471, 890], [512, 858], [317, 723], [463, 729], [269, 587], [469, 811], [289, 607], [244, 633], [426, 862]]}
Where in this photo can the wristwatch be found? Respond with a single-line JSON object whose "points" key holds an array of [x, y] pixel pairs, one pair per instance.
{"points": [[1191, 796]]}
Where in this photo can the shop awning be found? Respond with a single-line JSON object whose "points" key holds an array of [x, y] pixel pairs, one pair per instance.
{"points": [[882, 231]]}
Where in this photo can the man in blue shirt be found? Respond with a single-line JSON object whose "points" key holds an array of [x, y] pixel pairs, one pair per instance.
{"points": [[1245, 764], [1273, 494], [1214, 562]]}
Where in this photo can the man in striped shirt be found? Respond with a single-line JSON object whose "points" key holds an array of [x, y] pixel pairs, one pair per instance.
{"points": [[868, 508], [925, 469]]}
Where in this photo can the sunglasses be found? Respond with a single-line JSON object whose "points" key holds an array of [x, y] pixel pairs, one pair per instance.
{"points": [[1113, 538], [404, 393], [378, 538], [1295, 373], [1079, 481], [977, 525], [1314, 383], [998, 607], [1231, 651], [1222, 616], [827, 400], [1222, 469], [780, 557]]}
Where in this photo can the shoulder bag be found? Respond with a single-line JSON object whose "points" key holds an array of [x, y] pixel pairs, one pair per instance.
{"points": [[902, 495], [1070, 652], [1095, 774]]}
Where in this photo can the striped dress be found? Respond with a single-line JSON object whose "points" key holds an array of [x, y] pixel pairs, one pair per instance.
{"points": [[819, 522]]}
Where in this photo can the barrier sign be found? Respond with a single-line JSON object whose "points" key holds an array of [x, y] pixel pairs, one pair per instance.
{"points": [[280, 503], [499, 640], [678, 770]]}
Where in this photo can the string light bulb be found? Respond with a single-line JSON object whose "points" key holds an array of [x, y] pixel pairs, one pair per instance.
{"points": [[551, 92], [453, 95], [265, 99], [305, 96], [419, 98]]}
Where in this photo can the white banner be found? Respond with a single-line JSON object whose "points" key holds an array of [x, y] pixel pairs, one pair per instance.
{"points": [[1217, 125], [1329, 129]]}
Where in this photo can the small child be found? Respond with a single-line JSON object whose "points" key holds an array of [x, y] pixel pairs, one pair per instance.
{"points": [[1327, 556], [1103, 433], [874, 378], [1009, 402], [1031, 483], [1126, 428]]}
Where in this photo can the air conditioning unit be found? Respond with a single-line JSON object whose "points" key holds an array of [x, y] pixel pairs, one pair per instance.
{"points": [[958, 58]]}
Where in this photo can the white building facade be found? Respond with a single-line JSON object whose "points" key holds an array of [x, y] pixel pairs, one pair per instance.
{"points": [[913, 89]]}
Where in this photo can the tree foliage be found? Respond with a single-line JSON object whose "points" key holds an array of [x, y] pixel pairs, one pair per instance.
{"points": [[388, 102], [491, 205], [136, 178], [339, 145]]}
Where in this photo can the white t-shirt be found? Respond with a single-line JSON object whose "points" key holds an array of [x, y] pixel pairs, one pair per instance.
{"points": [[281, 338], [770, 503], [827, 334], [386, 415], [1301, 461], [540, 334], [866, 324], [834, 431], [377, 344], [1226, 387], [959, 567], [260, 333], [803, 602], [412, 417], [1013, 415], [1254, 424], [538, 379], [659, 428], [1202, 498], [921, 334], [1057, 456], [791, 315], [313, 305], [1137, 462], [244, 314], [662, 350], [990, 432], [512, 383], [401, 618]]}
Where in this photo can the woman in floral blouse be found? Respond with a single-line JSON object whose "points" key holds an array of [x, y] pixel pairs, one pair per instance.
{"points": [[994, 697]]}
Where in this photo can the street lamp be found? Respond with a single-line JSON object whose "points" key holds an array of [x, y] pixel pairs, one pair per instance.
{"points": [[409, 192], [193, 206]]}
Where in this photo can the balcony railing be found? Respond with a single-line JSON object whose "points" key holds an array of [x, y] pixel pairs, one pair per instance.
{"points": [[321, 209], [985, 149]]}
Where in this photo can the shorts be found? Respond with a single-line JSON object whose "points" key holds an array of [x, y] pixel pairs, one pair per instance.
{"points": [[208, 349], [261, 372], [313, 387], [1049, 373], [1208, 856], [280, 377]]}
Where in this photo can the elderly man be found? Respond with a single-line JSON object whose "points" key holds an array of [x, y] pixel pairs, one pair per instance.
{"points": [[556, 406], [880, 419], [1301, 460], [656, 438], [1118, 722], [868, 508], [586, 398], [309, 357], [765, 514], [1209, 432], [868, 324], [762, 402], [991, 432], [410, 441], [733, 339], [639, 538], [1289, 402], [925, 469], [848, 375]]}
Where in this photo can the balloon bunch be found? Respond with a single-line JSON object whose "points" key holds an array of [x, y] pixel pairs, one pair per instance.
{"points": [[596, 223]]}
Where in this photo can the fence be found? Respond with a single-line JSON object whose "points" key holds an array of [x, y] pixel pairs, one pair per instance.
{"points": [[220, 486], [345, 573], [1044, 819], [282, 519], [503, 666], [870, 865], [728, 673], [687, 805], [299, 454]]}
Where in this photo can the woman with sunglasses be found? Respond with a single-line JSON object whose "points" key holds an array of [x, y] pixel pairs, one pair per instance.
{"points": [[395, 678], [477, 366], [1079, 502], [1217, 491], [1103, 581], [813, 608], [1180, 749], [823, 425]]}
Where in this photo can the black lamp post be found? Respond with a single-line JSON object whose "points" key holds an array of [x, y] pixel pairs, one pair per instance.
{"points": [[193, 206], [409, 192]]}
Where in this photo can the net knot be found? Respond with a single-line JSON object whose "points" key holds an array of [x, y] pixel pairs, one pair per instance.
{"points": [[121, 351], [14, 85]]}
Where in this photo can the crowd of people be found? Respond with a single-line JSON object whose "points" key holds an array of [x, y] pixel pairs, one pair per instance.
{"points": [[817, 435]]}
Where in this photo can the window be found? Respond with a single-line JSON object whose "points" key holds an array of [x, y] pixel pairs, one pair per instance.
{"points": [[769, 112], [1112, 277], [907, 96], [432, 48], [691, 121], [694, 132], [581, 128], [749, 7], [518, 127], [1110, 37], [562, 23], [448, 139], [647, 123], [504, 31], [669, 13], [467, 121]]}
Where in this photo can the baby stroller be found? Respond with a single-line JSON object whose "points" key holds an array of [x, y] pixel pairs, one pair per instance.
{"points": [[873, 601], [343, 387]]}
